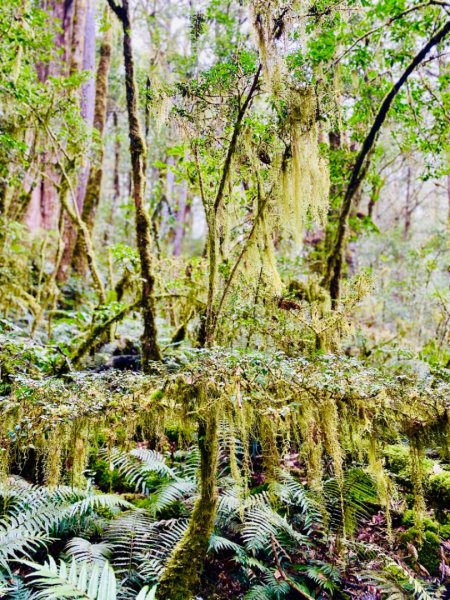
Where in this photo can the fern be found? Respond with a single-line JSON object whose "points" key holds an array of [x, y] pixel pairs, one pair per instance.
{"points": [[394, 580], [262, 524], [169, 493], [357, 495], [218, 544], [166, 536], [84, 551], [129, 537], [147, 593], [396, 583], [15, 589], [36, 514], [323, 575], [293, 493], [137, 465], [77, 581]]}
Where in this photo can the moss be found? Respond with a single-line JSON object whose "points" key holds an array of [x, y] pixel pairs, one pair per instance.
{"points": [[427, 544], [444, 531], [182, 574], [108, 480], [438, 490], [428, 523], [398, 462], [397, 458]]}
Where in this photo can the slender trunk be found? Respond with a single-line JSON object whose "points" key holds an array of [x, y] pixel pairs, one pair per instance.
{"points": [[150, 348], [94, 183], [448, 197], [333, 275], [181, 215], [79, 225], [116, 180], [82, 59], [182, 574], [209, 329], [408, 207]]}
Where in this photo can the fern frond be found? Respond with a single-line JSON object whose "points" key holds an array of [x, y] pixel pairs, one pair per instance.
{"points": [[171, 492], [147, 593], [293, 493], [17, 542], [218, 543], [84, 551], [262, 524], [137, 465], [166, 536], [129, 536], [74, 582]]}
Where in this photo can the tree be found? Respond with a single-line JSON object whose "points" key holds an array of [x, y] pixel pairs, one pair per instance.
{"points": [[150, 348]]}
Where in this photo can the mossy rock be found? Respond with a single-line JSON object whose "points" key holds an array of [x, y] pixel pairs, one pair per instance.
{"points": [[398, 462], [397, 458], [429, 524], [438, 490], [444, 531], [427, 544]]}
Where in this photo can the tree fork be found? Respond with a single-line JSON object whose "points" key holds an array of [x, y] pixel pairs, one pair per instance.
{"points": [[332, 278], [150, 348]]}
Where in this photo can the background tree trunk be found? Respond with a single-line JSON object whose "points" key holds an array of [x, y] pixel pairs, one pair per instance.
{"points": [[82, 59], [150, 348], [94, 182]]}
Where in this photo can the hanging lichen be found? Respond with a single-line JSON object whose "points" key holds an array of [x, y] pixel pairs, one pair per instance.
{"points": [[79, 454], [53, 457], [305, 176], [266, 32], [384, 487], [417, 454], [312, 448], [270, 453]]}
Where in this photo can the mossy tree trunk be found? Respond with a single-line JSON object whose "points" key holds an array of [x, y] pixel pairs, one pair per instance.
{"points": [[150, 348], [94, 183], [182, 575]]}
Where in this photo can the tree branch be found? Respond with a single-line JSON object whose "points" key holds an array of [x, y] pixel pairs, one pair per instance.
{"points": [[332, 277]]}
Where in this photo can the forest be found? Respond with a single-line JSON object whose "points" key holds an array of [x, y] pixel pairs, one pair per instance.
{"points": [[225, 299]]}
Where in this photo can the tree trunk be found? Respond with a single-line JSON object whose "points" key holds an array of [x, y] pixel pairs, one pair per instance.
{"points": [[150, 348], [408, 205], [94, 183], [82, 59], [43, 209], [182, 574], [116, 181]]}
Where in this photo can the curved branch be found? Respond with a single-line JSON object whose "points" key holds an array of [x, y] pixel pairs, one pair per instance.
{"points": [[334, 265]]}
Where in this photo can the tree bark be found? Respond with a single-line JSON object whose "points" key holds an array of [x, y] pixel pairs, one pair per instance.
{"points": [[150, 348], [94, 183], [43, 209], [182, 574], [82, 59]]}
